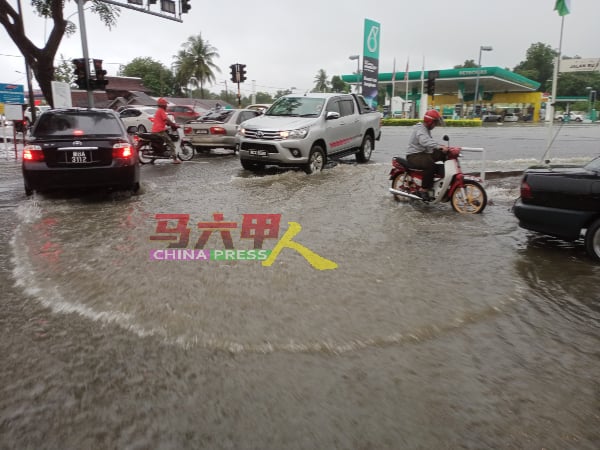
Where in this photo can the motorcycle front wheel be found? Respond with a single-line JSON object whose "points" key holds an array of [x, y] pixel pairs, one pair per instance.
{"points": [[144, 153], [186, 152], [470, 199], [399, 183]]}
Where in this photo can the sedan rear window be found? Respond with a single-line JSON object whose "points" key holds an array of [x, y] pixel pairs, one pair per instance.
{"points": [[217, 116], [74, 123]]}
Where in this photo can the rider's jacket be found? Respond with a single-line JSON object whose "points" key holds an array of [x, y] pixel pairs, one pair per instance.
{"points": [[420, 140], [160, 121]]}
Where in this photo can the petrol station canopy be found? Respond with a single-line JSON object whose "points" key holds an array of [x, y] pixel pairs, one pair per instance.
{"points": [[452, 81]]}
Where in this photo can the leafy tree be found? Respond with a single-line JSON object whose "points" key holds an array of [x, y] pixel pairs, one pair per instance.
{"points": [[577, 83], [539, 65], [321, 81], [469, 63], [281, 93], [194, 63], [64, 71], [155, 76], [339, 85], [263, 97], [41, 59]]}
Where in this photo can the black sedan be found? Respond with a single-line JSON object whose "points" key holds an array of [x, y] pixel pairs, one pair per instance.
{"points": [[79, 148], [562, 201]]}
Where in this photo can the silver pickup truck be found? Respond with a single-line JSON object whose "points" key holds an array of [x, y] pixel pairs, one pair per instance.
{"points": [[307, 130]]}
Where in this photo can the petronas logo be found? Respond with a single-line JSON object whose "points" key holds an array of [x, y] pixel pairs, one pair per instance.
{"points": [[373, 39]]}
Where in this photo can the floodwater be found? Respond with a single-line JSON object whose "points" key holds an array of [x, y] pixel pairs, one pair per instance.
{"points": [[434, 330]]}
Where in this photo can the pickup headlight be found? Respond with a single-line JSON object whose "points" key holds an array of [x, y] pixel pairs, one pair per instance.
{"points": [[294, 134]]}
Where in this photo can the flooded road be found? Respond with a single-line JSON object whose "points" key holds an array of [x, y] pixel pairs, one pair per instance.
{"points": [[434, 330]]}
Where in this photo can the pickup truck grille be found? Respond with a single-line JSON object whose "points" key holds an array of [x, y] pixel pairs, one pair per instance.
{"points": [[252, 146], [260, 134]]}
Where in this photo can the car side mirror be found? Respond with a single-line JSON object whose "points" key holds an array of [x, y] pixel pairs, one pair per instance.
{"points": [[332, 115]]}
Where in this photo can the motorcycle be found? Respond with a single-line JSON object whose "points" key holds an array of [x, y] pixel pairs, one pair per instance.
{"points": [[465, 192], [151, 147]]}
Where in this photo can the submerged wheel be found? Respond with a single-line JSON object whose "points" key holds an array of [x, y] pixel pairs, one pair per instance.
{"points": [[28, 190], [592, 240], [364, 154], [316, 160], [399, 183], [186, 152], [471, 199], [143, 154]]}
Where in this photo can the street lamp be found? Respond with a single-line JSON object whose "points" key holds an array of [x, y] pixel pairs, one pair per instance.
{"points": [[357, 58], [483, 48]]}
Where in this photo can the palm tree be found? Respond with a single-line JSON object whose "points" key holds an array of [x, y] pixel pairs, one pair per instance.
{"points": [[194, 63], [321, 82]]}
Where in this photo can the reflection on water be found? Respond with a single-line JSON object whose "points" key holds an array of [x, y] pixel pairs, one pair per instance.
{"points": [[404, 271]]}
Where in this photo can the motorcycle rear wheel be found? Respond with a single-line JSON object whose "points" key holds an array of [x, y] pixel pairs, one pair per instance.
{"points": [[186, 152], [473, 201], [143, 154], [398, 183]]}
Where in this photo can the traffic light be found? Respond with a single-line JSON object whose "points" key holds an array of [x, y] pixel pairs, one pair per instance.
{"points": [[234, 73], [100, 82], [242, 73], [80, 76], [185, 6], [431, 86]]}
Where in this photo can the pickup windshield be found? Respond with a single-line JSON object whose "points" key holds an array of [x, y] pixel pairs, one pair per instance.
{"points": [[593, 165], [297, 107]]}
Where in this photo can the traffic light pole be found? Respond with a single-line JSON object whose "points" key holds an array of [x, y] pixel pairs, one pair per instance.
{"points": [[84, 46]]}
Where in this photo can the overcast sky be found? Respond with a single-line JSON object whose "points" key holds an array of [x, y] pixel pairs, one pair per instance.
{"points": [[284, 43]]}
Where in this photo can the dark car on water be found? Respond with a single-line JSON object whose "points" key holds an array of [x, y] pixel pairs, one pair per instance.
{"points": [[76, 148], [562, 201]]}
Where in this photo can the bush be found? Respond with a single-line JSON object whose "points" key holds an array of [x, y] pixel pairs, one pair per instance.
{"points": [[448, 122]]}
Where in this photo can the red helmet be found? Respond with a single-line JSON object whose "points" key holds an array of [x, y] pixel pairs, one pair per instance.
{"points": [[162, 102], [432, 118]]}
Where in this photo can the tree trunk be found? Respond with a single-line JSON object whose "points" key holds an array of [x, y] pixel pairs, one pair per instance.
{"points": [[40, 61]]}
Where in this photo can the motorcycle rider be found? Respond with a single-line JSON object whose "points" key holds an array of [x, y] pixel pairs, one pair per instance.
{"points": [[160, 124], [423, 151]]}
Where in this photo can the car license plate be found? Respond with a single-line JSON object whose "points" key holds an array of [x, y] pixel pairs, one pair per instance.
{"points": [[258, 152], [201, 131], [78, 157]]}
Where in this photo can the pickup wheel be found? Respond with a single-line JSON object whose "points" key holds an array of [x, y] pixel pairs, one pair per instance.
{"points": [[316, 160], [592, 240], [364, 154]]}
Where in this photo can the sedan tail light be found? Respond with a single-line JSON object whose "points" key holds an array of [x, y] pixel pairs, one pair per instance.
{"points": [[33, 153], [187, 130], [122, 151], [525, 190], [217, 130]]}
